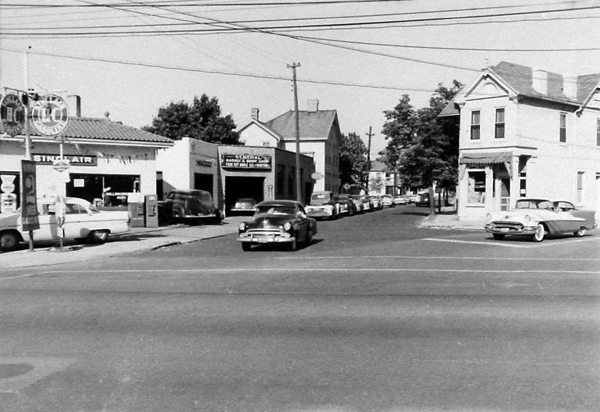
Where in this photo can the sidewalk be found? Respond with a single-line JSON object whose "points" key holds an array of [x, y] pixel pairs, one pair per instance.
{"points": [[136, 240], [145, 239]]}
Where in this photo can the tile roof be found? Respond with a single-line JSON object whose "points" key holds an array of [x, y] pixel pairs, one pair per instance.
{"points": [[313, 124], [103, 129]]}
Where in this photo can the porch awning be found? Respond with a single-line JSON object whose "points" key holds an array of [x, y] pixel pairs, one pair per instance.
{"points": [[486, 158]]}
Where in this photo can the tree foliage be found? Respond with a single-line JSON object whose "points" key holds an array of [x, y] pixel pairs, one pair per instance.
{"points": [[422, 146], [202, 120], [354, 169]]}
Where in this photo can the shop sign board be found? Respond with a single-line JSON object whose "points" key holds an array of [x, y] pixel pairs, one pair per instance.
{"points": [[246, 161], [29, 212], [50, 115], [12, 115], [74, 160]]}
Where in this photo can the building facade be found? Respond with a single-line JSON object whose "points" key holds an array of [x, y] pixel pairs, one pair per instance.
{"points": [[525, 132], [320, 138], [107, 161]]}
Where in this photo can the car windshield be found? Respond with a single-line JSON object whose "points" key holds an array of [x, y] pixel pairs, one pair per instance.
{"points": [[275, 209], [535, 204]]}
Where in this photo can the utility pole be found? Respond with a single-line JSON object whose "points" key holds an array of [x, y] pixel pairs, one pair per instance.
{"points": [[293, 66], [370, 135]]}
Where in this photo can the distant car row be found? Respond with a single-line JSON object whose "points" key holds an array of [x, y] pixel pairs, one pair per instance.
{"points": [[326, 205]]}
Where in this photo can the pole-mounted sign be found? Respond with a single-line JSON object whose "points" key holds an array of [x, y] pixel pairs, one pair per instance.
{"points": [[50, 115], [12, 114]]}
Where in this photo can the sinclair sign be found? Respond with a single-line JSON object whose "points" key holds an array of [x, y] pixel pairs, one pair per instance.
{"points": [[246, 161], [73, 160]]}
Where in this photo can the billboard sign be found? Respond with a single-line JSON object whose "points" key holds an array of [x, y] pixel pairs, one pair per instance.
{"points": [[245, 161]]}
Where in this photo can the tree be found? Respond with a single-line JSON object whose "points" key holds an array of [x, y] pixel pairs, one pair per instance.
{"points": [[202, 120], [422, 146], [354, 168]]}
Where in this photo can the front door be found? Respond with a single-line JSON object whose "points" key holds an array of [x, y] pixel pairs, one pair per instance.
{"points": [[504, 194]]}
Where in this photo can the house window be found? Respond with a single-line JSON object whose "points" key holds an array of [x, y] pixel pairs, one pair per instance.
{"points": [[475, 125], [579, 187], [563, 128], [597, 132], [499, 133], [476, 187]]}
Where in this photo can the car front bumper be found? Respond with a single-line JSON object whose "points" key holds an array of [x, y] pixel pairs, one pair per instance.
{"points": [[510, 228], [265, 236]]}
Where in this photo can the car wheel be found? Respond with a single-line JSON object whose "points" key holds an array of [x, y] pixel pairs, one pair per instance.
{"points": [[98, 236], [294, 244], [246, 246], [9, 241], [498, 236], [309, 237], [540, 232], [580, 232]]}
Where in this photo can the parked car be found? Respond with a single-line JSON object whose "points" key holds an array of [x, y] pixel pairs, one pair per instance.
{"points": [[422, 199], [401, 200], [376, 202], [82, 222], [367, 203], [537, 218], [244, 206], [188, 206], [358, 203], [323, 205], [388, 201], [346, 205], [277, 222]]}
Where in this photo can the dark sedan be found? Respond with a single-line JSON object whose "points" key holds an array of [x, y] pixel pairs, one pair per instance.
{"points": [[279, 222]]}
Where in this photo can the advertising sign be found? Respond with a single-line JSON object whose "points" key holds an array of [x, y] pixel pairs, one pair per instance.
{"points": [[29, 212], [50, 115], [246, 161], [73, 160], [12, 115]]}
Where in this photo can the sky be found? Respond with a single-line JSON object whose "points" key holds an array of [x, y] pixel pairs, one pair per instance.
{"points": [[129, 58]]}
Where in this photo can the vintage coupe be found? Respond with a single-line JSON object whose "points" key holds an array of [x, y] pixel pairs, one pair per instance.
{"points": [[188, 206], [277, 222], [537, 218], [346, 205], [82, 221]]}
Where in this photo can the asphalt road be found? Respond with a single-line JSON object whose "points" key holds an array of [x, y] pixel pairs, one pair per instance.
{"points": [[375, 315]]}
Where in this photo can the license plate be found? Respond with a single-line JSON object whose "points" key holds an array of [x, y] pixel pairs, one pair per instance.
{"points": [[504, 229], [262, 240]]}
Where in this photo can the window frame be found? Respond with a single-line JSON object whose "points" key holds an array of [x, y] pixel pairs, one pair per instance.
{"points": [[500, 126], [562, 128], [475, 133]]}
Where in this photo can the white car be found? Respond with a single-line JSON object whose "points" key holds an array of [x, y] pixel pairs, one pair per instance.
{"points": [[537, 218], [82, 221]]}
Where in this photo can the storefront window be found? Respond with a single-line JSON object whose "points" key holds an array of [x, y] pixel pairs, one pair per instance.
{"points": [[112, 189], [476, 187]]}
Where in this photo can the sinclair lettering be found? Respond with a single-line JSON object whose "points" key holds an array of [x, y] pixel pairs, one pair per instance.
{"points": [[74, 160], [246, 161]]}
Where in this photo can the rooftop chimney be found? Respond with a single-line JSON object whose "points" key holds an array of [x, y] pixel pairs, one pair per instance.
{"points": [[539, 81], [313, 105], [254, 113], [74, 104], [570, 86]]}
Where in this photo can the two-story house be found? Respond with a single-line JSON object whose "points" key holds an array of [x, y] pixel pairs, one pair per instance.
{"points": [[320, 138], [526, 132]]}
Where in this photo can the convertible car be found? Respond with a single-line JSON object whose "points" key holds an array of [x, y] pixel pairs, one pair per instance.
{"points": [[537, 218], [277, 221]]}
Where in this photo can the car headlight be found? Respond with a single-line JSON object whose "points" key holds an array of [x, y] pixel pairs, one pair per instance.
{"points": [[287, 226], [242, 227]]}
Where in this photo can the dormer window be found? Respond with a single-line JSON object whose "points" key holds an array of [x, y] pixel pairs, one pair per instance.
{"points": [[475, 125]]}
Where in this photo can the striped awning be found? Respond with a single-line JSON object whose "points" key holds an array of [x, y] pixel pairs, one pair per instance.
{"points": [[485, 158]]}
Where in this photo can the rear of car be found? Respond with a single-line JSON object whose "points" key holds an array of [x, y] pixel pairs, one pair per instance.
{"points": [[188, 206], [244, 206], [388, 201], [322, 205]]}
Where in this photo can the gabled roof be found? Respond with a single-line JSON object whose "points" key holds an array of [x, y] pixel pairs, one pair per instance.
{"points": [[93, 129], [377, 166], [520, 79], [262, 126], [313, 124]]}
